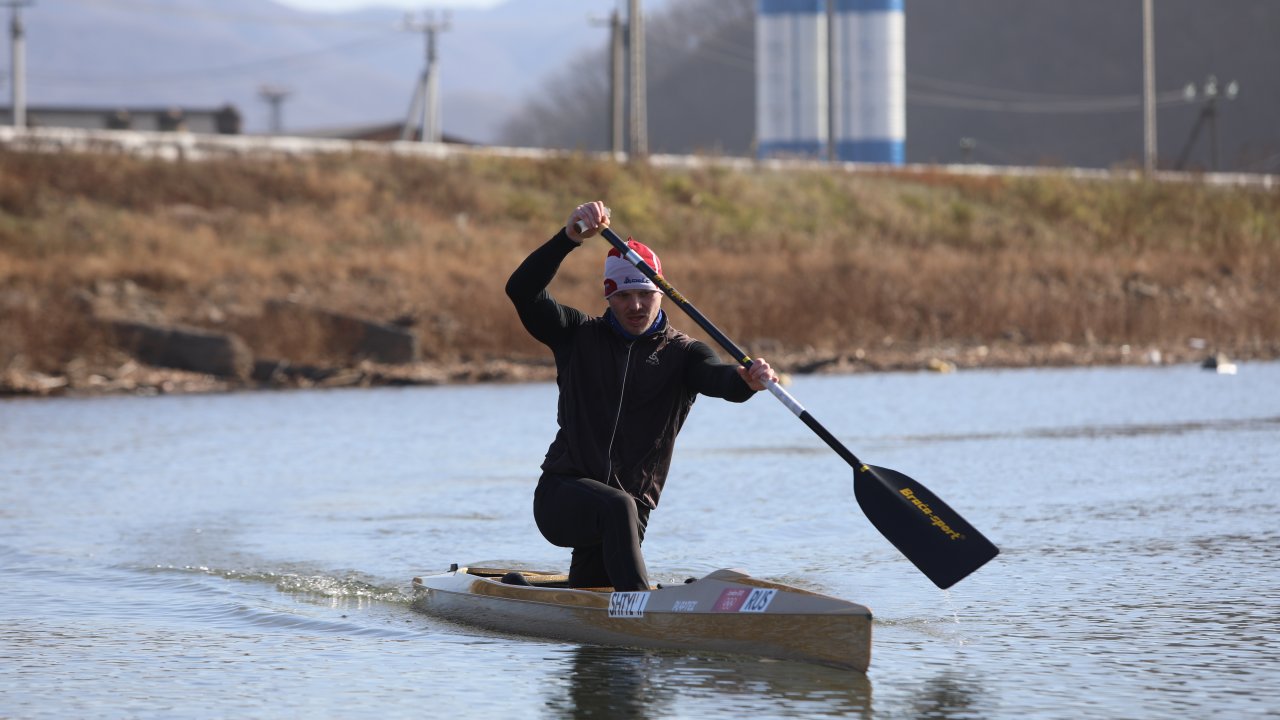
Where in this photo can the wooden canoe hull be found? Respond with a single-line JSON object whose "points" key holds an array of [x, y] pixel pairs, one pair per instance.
{"points": [[725, 612]]}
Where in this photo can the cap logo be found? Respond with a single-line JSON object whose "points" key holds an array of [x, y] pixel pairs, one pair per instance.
{"points": [[620, 274]]}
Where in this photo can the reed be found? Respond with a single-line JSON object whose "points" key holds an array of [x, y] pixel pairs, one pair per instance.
{"points": [[791, 261]]}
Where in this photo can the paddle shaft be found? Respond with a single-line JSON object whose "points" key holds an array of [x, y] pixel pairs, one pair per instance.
{"points": [[943, 545], [777, 390]]}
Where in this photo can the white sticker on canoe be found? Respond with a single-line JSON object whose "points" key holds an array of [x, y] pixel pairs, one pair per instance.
{"points": [[628, 604], [758, 601], [740, 599]]}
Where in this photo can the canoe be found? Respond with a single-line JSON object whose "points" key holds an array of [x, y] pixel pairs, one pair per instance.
{"points": [[727, 611]]}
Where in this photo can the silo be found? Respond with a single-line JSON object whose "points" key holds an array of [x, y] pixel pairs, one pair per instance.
{"points": [[791, 78], [869, 86]]}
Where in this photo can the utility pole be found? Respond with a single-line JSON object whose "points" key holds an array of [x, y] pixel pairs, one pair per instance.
{"points": [[1148, 88], [617, 80], [424, 109], [17, 66], [833, 91], [275, 96], [617, 73], [639, 145], [1208, 114]]}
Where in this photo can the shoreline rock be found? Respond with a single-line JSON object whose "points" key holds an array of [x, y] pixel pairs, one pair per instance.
{"points": [[130, 377]]}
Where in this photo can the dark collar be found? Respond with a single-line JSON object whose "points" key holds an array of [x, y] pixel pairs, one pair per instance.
{"points": [[658, 326]]}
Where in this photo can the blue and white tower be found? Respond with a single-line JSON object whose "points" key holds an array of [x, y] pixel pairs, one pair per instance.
{"points": [[791, 78], [869, 85]]}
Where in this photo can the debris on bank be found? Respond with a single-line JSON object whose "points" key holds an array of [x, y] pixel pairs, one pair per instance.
{"points": [[126, 375]]}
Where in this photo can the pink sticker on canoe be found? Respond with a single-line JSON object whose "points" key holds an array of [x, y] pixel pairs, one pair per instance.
{"points": [[731, 600]]}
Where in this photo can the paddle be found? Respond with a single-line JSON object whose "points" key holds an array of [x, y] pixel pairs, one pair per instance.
{"points": [[944, 546]]}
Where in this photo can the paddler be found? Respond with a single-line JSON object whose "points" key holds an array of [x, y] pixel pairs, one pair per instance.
{"points": [[627, 381]]}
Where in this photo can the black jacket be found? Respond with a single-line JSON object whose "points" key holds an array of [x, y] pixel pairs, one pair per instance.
{"points": [[622, 401]]}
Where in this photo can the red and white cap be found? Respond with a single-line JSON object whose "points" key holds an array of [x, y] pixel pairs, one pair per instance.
{"points": [[620, 274]]}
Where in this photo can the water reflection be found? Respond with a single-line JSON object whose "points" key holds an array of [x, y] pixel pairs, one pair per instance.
{"points": [[1109, 431], [267, 576], [947, 695], [1079, 432], [632, 683]]}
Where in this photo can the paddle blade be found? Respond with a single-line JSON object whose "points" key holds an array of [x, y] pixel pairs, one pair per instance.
{"points": [[930, 534]]}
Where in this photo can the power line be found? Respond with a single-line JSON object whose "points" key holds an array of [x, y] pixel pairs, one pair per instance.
{"points": [[996, 93], [280, 18], [188, 74], [966, 96], [1063, 105], [723, 53], [954, 94], [1265, 164]]}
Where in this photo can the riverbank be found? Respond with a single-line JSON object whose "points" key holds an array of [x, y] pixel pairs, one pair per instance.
{"points": [[81, 379], [819, 270]]}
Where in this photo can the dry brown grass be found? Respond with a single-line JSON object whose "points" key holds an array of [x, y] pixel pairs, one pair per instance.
{"points": [[793, 260]]}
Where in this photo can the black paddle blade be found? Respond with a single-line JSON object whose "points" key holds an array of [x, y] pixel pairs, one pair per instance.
{"points": [[930, 534]]}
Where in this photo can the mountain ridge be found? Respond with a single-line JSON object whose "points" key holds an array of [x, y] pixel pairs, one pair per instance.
{"points": [[534, 72]]}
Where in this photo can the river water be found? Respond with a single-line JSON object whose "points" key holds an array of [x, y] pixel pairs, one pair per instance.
{"points": [[249, 555]]}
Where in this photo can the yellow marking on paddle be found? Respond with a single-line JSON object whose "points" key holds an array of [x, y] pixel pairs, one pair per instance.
{"points": [[938, 522], [666, 286]]}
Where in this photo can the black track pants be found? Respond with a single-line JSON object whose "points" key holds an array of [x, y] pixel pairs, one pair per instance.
{"points": [[603, 525]]}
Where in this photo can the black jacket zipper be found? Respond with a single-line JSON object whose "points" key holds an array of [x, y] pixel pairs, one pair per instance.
{"points": [[617, 418]]}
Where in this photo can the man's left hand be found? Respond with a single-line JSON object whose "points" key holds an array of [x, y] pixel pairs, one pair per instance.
{"points": [[759, 375]]}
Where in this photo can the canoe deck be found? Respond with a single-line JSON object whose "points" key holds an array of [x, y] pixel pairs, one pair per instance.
{"points": [[727, 611]]}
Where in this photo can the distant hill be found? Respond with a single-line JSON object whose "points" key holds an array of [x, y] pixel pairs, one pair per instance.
{"points": [[1011, 76], [343, 69], [1004, 74]]}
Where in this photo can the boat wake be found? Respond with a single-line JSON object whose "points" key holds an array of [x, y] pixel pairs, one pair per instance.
{"points": [[1078, 432], [314, 603], [349, 586]]}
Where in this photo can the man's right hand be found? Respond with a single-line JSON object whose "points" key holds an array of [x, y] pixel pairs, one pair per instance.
{"points": [[594, 217]]}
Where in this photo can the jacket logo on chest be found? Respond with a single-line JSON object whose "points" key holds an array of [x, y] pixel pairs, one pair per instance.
{"points": [[653, 358]]}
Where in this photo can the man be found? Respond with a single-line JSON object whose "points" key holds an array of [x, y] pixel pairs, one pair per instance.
{"points": [[627, 382]]}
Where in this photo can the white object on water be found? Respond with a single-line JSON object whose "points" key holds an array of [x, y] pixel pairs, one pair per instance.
{"points": [[1219, 363]]}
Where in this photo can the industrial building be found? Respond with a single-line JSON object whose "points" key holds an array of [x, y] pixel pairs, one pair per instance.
{"points": [[831, 80], [224, 120]]}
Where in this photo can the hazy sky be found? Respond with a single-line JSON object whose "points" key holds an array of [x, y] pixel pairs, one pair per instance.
{"points": [[342, 5], [337, 5]]}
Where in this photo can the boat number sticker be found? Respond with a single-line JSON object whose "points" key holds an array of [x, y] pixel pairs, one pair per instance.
{"points": [[730, 600], [758, 600], [628, 604], [744, 600]]}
